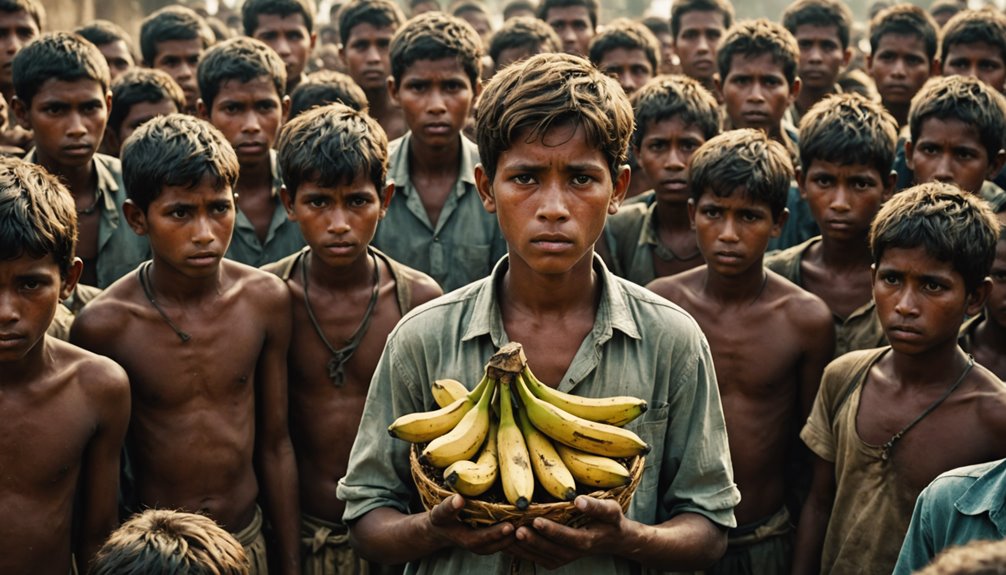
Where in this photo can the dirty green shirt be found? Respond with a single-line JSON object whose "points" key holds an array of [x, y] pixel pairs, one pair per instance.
{"points": [[641, 345], [631, 236], [282, 238], [466, 240]]}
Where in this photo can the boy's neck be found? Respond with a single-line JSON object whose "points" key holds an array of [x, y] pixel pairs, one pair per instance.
{"points": [[345, 279], [845, 255], [808, 97], [254, 178], [990, 334], [672, 216], [900, 113], [433, 161], [29, 368], [937, 367], [532, 293], [379, 102], [743, 289], [168, 284], [81, 181]]}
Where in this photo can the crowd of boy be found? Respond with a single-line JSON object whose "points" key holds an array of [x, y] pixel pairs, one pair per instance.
{"points": [[224, 270]]}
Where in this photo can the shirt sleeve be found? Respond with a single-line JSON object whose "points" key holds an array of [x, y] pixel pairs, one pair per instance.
{"points": [[917, 551], [818, 432]]}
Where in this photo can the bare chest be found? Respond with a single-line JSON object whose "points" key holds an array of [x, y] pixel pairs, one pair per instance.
{"points": [[42, 442], [844, 294]]}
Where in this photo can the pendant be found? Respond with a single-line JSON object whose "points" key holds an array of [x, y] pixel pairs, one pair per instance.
{"points": [[335, 372]]}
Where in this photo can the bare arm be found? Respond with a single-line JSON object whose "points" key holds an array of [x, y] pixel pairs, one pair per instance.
{"points": [[820, 337], [814, 519]]}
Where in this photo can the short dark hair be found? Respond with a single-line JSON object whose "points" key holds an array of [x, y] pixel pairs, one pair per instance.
{"points": [[666, 97], [973, 26], [57, 56], [175, 150], [945, 6], [332, 145], [849, 129], [523, 31], [517, 6], [593, 9], [433, 36], [101, 32], [745, 161], [905, 19], [951, 225], [141, 85], [242, 59], [377, 13], [33, 8], [821, 13], [679, 9], [962, 98], [528, 98], [326, 87], [172, 23], [251, 10], [37, 214], [753, 38], [657, 25], [629, 35]]}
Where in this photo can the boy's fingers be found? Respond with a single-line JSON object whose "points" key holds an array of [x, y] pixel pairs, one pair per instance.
{"points": [[538, 541], [446, 512], [607, 511]]}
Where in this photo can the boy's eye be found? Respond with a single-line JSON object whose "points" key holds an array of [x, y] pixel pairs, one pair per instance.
{"points": [[998, 276], [711, 211], [823, 181], [294, 35], [914, 61], [889, 279], [750, 216], [657, 146], [523, 179], [267, 105], [989, 65], [932, 286], [221, 208], [358, 201], [582, 180], [31, 284], [179, 212]]}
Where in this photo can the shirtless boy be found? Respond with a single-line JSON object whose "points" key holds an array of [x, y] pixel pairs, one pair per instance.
{"points": [[770, 339], [887, 421], [63, 410], [347, 298], [211, 403], [553, 170], [984, 336]]}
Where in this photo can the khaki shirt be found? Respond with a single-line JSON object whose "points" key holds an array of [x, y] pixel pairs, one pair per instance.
{"points": [[631, 236], [466, 240], [282, 239], [641, 345]]}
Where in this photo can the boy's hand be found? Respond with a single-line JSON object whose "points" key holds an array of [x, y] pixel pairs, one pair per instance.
{"points": [[445, 525], [553, 545]]}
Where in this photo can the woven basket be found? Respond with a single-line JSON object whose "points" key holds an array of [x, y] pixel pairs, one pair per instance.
{"points": [[479, 513]]}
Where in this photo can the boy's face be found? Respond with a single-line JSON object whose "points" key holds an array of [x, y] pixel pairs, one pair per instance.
{"points": [[68, 119], [821, 56], [630, 67], [732, 232], [118, 57], [552, 197], [899, 67], [140, 113], [572, 24], [16, 30], [995, 305], [921, 301], [30, 290], [249, 115], [951, 151], [179, 58], [665, 154], [480, 22], [978, 60], [508, 56], [756, 93], [338, 222], [288, 36], [666, 52], [365, 55], [189, 228], [844, 198], [697, 41], [436, 97]]}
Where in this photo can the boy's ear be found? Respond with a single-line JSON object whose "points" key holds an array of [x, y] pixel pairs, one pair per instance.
{"points": [[69, 282], [718, 85], [285, 104], [801, 178], [892, 180], [977, 297], [202, 111], [780, 223], [389, 192], [108, 104], [846, 57], [393, 90], [621, 186], [21, 112], [909, 155], [485, 188], [996, 165], [477, 90], [691, 212], [794, 90], [135, 217], [284, 195]]}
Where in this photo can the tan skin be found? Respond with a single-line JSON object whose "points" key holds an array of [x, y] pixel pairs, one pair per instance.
{"points": [[209, 431], [989, 338], [54, 476]]}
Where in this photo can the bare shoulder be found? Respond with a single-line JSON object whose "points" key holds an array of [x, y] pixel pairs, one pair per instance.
{"points": [[992, 399], [803, 309], [102, 320], [677, 287], [99, 377], [268, 290], [423, 287]]}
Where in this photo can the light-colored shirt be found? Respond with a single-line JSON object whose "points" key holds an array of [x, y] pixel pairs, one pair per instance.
{"points": [[466, 240], [631, 236], [641, 345]]}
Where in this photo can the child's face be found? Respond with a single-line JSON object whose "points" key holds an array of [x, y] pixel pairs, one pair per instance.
{"points": [[572, 24], [118, 57], [844, 198], [665, 154], [995, 305], [436, 97], [899, 67], [552, 197], [16, 30], [68, 119], [508, 56], [30, 290], [366, 55], [288, 36], [951, 151], [821, 56], [733, 231], [249, 115], [756, 93], [978, 60], [629, 66], [142, 112], [698, 38], [921, 301], [179, 58], [338, 222]]}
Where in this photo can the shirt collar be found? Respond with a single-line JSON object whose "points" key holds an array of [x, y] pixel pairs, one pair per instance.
{"points": [[398, 171], [648, 235], [277, 178], [987, 495], [107, 185]]}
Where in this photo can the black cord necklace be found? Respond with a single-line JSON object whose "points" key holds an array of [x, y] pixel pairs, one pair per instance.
{"points": [[144, 274]]}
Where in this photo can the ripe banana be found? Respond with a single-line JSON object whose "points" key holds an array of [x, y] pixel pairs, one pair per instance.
{"points": [[582, 434], [447, 391], [548, 468], [473, 478], [515, 463], [426, 426], [464, 441], [593, 470], [617, 410]]}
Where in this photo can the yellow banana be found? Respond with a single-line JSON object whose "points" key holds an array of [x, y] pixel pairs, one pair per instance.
{"points": [[447, 391], [426, 426], [464, 441], [593, 470], [473, 478], [515, 463], [582, 434], [617, 410], [548, 468]]}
